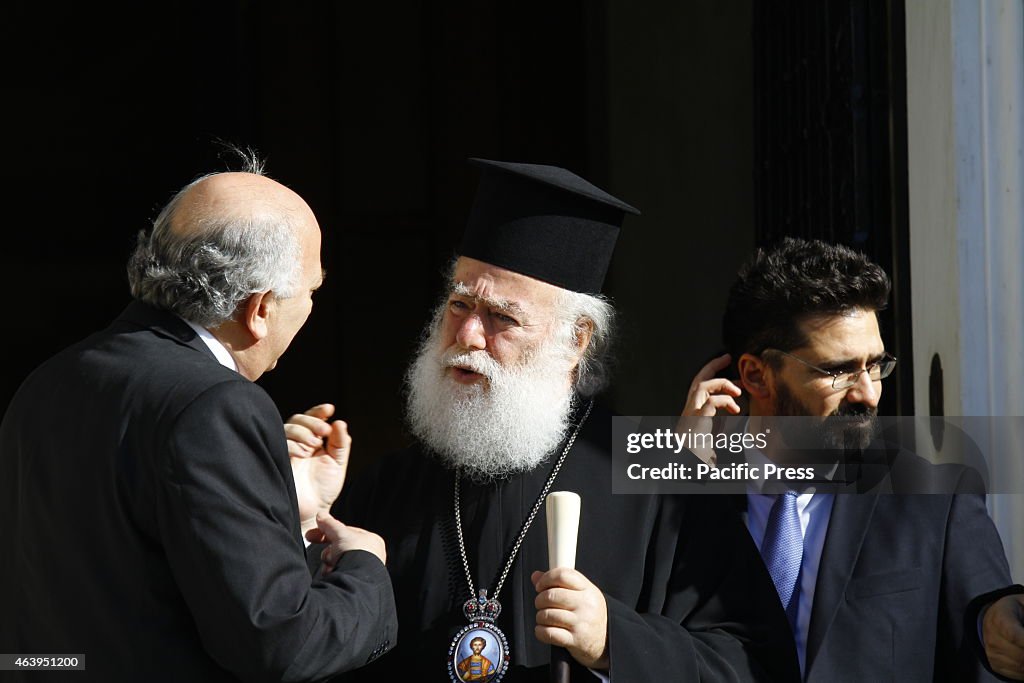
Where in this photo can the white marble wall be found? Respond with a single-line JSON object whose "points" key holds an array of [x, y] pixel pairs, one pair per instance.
{"points": [[965, 109]]}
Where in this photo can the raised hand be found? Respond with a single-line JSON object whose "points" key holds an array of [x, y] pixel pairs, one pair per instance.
{"points": [[709, 394], [319, 454], [706, 397]]}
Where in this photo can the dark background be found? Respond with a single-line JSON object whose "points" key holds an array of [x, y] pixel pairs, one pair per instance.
{"points": [[727, 124]]}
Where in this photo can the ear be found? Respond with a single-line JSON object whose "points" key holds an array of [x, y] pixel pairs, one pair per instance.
{"points": [[255, 313], [584, 332], [755, 376]]}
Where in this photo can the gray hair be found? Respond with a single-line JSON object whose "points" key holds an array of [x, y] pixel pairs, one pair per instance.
{"points": [[203, 274], [578, 311]]}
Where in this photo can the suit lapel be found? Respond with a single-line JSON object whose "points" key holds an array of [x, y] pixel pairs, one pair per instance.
{"points": [[847, 527]]}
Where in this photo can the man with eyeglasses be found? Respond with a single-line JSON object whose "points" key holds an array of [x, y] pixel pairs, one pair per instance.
{"points": [[875, 587]]}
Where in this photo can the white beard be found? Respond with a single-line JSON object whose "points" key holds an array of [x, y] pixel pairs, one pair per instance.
{"points": [[489, 430]]}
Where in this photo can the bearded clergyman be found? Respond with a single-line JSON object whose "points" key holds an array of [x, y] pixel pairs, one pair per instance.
{"points": [[501, 402]]}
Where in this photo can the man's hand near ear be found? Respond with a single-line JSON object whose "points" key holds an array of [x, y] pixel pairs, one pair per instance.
{"points": [[708, 394]]}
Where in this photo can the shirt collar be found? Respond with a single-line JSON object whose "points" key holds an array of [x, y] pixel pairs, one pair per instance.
{"points": [[219, 351]]}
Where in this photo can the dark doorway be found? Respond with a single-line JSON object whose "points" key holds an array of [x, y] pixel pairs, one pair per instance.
{"points": [[367, 110], [831, 142]]}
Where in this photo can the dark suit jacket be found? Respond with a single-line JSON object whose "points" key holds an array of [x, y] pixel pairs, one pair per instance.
{"points": [[149, 522], [896, 577]]}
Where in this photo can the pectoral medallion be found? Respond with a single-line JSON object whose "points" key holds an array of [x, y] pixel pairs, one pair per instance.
{"points": [[479, 651]]}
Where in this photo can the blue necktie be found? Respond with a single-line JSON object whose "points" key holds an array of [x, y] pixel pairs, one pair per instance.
{"points": [[783, 550]]}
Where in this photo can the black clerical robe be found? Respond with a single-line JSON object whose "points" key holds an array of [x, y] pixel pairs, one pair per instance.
{"points": [[673, 570]]}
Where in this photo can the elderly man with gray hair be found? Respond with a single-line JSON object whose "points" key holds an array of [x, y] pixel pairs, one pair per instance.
{"points": [[152, 527], [501, 402]]}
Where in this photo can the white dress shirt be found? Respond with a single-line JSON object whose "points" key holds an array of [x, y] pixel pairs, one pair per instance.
{"points": [[220, 351], [815, 510]]}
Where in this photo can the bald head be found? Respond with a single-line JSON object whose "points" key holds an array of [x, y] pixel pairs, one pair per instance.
{"points": [[220, 239], [237, 198]]}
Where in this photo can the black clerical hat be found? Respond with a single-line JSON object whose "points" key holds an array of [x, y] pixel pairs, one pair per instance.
{"points": [[545, 222]]}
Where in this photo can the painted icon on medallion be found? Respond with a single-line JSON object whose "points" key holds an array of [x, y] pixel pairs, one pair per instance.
{"points": [[479, 653]]}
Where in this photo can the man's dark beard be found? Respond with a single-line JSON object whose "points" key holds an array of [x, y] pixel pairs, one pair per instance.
{"points": [[848, 430]]}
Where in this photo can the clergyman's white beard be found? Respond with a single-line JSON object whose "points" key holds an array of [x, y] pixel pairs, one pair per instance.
{"points": [[510, 423]]}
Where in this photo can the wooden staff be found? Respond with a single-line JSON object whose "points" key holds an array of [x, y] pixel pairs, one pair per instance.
{"points": [[563, 515]]}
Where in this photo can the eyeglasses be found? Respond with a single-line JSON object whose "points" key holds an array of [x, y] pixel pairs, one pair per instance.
{"points": [[842, 379]]}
